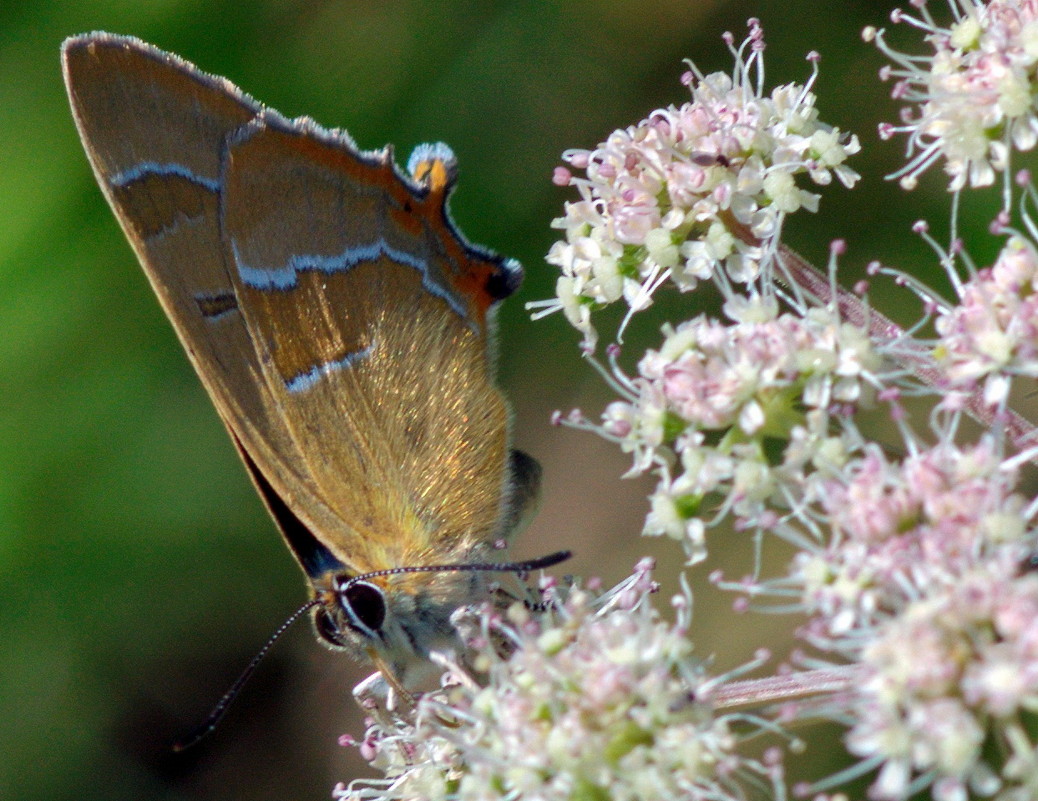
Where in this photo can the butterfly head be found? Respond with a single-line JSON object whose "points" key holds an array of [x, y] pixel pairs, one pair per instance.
{"points": [[395, 619], [398, 616]]}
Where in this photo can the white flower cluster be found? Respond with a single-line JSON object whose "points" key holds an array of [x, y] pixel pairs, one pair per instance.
{"points": [[993, 331], [916, 571], [925, 581], [680, 195], [595, 698], [972, 100], [953, 677], [707, 408]]}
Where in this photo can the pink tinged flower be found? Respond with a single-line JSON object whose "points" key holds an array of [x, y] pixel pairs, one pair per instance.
{"points": [[993, 332], [618, 419], [900, 533], [605, 688], [950, 738], [974, 98], [916, 657], [631, 223], [874, 506], [665, 190], [1000, 683]]}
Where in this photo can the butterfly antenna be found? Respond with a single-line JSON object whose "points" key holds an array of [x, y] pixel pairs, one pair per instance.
{"points": [[214, 718], [519, 568], [228, 697]]}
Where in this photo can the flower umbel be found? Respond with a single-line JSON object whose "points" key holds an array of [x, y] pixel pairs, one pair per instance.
{"points": [[739, 409], [954, 671], [993, 331], [594, 698], [972, 101], [669, 198], [922, 584]]}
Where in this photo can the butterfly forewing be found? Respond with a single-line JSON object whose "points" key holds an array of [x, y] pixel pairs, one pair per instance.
{"points": [[154, 129], [345, 276], [334, 315]]}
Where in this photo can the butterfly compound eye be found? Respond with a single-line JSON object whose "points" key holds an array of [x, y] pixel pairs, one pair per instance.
{"points": [[327, 630], [366, 603]]}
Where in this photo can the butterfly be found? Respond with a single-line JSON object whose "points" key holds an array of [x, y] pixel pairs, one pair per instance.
{"points": [[341, 325]]}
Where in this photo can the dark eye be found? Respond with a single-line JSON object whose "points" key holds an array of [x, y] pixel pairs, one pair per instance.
{"points": [[366, 603], [327, 630]]}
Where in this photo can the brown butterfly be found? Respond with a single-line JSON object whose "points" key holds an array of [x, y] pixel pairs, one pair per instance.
{"points": [[340, 324]]}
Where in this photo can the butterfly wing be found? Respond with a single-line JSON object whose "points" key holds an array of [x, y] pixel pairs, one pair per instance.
{"points": [[334, 315], [372, 315]]}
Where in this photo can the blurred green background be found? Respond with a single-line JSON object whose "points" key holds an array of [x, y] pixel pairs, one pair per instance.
{"points": [[138, 571]]}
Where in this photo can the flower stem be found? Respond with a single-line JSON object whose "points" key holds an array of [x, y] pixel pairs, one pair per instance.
{"points": [[775, 689], [915, 358]]}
